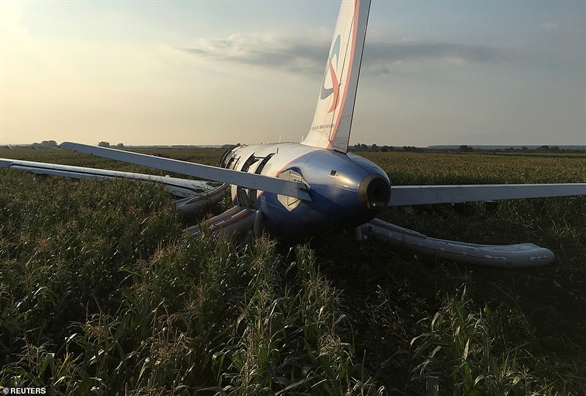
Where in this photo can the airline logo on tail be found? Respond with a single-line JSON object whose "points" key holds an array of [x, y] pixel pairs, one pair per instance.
{"points": [[326, 92], [332, 120]]}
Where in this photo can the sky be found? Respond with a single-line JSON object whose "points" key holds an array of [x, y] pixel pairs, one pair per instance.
{"points": [[215, 72]]}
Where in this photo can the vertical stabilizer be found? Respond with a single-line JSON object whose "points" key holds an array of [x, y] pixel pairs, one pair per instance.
{"points": [[335, 105]]}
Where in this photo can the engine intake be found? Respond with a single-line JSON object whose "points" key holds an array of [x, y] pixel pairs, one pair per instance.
{"points": [[374, 192]]}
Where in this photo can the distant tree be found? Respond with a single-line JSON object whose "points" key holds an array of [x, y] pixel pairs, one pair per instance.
{"points": [[374, 147], [465, 149], [412, 149], [364, 146], [104, 144], [120, 145], [524, 149], [543, 149], [49, 143]]}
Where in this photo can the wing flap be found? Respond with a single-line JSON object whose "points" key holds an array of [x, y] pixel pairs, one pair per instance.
{"points": [[425, 195]]}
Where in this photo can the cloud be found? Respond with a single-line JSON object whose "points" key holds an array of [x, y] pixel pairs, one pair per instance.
{"points": [[308, 55], [381, 57], [550, 26], [294, 55]]}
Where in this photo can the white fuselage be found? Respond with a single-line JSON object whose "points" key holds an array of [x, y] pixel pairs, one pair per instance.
{"points": [[345, 189]]}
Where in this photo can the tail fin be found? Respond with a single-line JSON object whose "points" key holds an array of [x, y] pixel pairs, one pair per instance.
{"points": [[335, 106]]}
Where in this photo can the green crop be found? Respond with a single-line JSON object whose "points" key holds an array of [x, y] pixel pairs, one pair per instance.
{"points": [[102, 293]]}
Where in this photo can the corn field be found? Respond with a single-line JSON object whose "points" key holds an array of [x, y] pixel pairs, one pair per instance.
{"points": [[101, 292]]}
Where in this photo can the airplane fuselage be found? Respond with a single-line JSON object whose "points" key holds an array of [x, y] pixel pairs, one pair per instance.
{"points": [[346, 190]]}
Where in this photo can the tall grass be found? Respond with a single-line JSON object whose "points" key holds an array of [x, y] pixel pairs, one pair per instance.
{"points": [[468, 352], [101, 293]]}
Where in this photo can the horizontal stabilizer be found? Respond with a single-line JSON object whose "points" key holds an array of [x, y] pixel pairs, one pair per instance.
{"points": [[504, 256], [243, 179], [426, 195]]}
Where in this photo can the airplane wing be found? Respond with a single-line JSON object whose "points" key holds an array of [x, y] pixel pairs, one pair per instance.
{"points": [[178, 187], [192, 194], [425, 195], [507, 256], [243, 179]]}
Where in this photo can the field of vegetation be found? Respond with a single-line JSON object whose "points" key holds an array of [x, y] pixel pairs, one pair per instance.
{"points": [[102, 293]]}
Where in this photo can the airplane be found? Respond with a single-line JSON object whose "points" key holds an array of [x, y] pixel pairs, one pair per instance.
{"points": [[297, 191]]}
